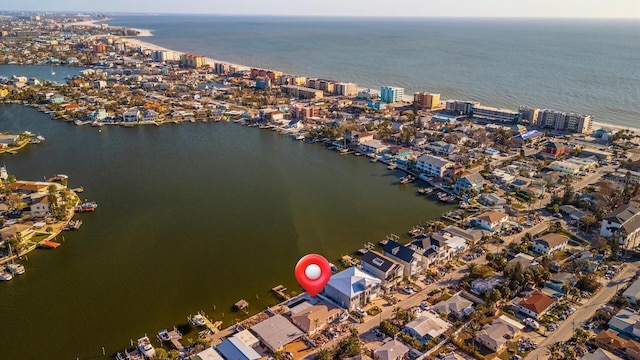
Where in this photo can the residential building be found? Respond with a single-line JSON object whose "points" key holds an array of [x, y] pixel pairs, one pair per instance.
{"points": [[600, 354], [535, 304], [382, 267], [390, 349], [472, 236], [316, 317], [562, 280], [471, 182], [192, 60], [17, 231], [456, 306], [624, 176], [432, 165], [149, 115], [164, 55], [573, 212], [624, 223], [304, 112], [372, 147], [357, 137], [427, 100], [212, 354], [494, 336], [233, 348], [491, 220], [549, 243], [131, 115], [8, 139], [626, 322], [528, 114], [495, 114], [461, 107], [525, 261], [263, 83], [352, 288], [410, 260], [556, 149], [433, 248], [40, 206], [484, 286], [559, 120], [276, 332], [633, 292], [565, 167], [492, 199], [427, 326], [346, 89], [529, 137], [391, 94], [442, 148], [29, 187], [611, 341], [302, 92]]}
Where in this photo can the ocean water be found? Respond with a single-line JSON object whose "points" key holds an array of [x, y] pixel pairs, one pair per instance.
{"points": [[585, 66]]}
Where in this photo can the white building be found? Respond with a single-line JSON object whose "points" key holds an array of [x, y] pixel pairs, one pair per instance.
{"points": [[427, 326], [623, 222], [352, 288], [433, 165], [131, 115], [372, 147], [549, 243], [565, 167]]}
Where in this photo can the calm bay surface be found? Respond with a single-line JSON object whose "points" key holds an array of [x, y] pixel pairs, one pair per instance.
{"points": [[190, 217]]}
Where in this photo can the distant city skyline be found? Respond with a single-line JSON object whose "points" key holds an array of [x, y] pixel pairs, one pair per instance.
{"points": [[396, 8]]}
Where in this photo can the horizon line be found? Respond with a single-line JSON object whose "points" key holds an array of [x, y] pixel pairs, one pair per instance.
{"points": [[160, 13]]}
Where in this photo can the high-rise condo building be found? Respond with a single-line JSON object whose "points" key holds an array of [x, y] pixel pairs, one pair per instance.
{"points": [[427, 100], [391, 94]]}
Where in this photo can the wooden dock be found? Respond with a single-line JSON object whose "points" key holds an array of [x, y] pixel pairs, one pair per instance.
{"points": [[49, 244], [242, 305], [214, 327], [281, 291]]}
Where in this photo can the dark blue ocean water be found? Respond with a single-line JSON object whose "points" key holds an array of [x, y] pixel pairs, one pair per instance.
{"points": [[586, 66]]}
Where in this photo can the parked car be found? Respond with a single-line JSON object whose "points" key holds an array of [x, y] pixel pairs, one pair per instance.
{"points": [[361, 312]]}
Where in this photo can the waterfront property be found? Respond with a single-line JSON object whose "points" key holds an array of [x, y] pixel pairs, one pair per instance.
{"points": [[276, 332], [410, 260], [382, 267], [432, 165], [352, 288]]}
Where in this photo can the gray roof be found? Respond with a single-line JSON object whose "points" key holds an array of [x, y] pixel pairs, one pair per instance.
{"points": [[399, 251], [233, 348], [633, 290], [600, 354], [564, 278], [433, 160], [469, 234], [623, 213], [276, 331], [456, 303], [352, 281], [475, 178], [624, 321]]}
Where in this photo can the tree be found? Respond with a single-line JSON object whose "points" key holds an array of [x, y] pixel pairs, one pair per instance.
{"points": [[494, 296], [588, 221], [554, 350], [323, 354]]}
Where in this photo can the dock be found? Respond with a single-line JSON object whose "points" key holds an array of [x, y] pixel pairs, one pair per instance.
{"points": [[174, 337], [281, 291], [213, 327], [348, 261], [49, 244], [242, 305], [78, 190]]}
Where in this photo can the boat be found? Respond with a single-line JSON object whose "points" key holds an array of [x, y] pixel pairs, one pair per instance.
{"points": [[52, 72], [392, 167], [40, 138], [373, 160], [145, 347], [5, 276], [197, 320], [86, 206], [17, 269], [407, 179], [334, 268], [163, 335]]}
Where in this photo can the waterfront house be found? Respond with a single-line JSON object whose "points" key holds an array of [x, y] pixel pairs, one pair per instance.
{"points": [[427, 326], [17, 231], [535, 304], [357, 137], [455, 306], [276, 332], [382, 267], [131, 115], [471, 182], [633, 292], [390, 349], [492, 199], [472, 236], [441, 148], [495, 335], [40, 206], [352, 288], [372, 147], [491, 220], [433, 248], [316, 317], [98, 115], [233, 348], [149, 115], [404, 255], [247, 338], [624, 223], [8, 140], [432, 165], [549, 243]]}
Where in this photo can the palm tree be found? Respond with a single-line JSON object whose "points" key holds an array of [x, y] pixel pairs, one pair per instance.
{"points": [[554, 350]]}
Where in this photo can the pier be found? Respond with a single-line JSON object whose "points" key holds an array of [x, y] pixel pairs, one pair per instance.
{"points": [[281, 291], [242, 305], [49, 244]]}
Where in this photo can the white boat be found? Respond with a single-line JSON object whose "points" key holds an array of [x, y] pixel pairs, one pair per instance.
{"points": [[197, 320], [40, 138], [5, 276], [52, 72], [16, 269], [3, 173], [163, 335], [145, 347]]}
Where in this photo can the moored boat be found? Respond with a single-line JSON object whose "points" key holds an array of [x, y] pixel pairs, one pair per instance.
{"points": [[145, 347], [16, 269], [5, 276], [86, 206], [197, 320]]}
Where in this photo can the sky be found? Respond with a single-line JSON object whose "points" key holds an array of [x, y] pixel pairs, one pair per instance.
{"points": [[438, 8]]}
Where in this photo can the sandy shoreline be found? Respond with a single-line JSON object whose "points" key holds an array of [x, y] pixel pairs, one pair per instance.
{"points": [[211, 62]]}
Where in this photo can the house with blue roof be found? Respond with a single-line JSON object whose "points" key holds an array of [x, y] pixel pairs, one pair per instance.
{"points": [[352, 288], [404, 255]]}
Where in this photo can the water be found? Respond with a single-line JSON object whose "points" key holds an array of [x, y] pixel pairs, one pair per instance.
{"points": [[40, 72], [190, 217], [585, 66]]}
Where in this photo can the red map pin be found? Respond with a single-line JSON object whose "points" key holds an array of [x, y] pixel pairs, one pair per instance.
{"points": [[313, 273]]}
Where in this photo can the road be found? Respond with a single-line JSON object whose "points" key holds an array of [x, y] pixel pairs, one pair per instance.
{"points": [[584, 312]]}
